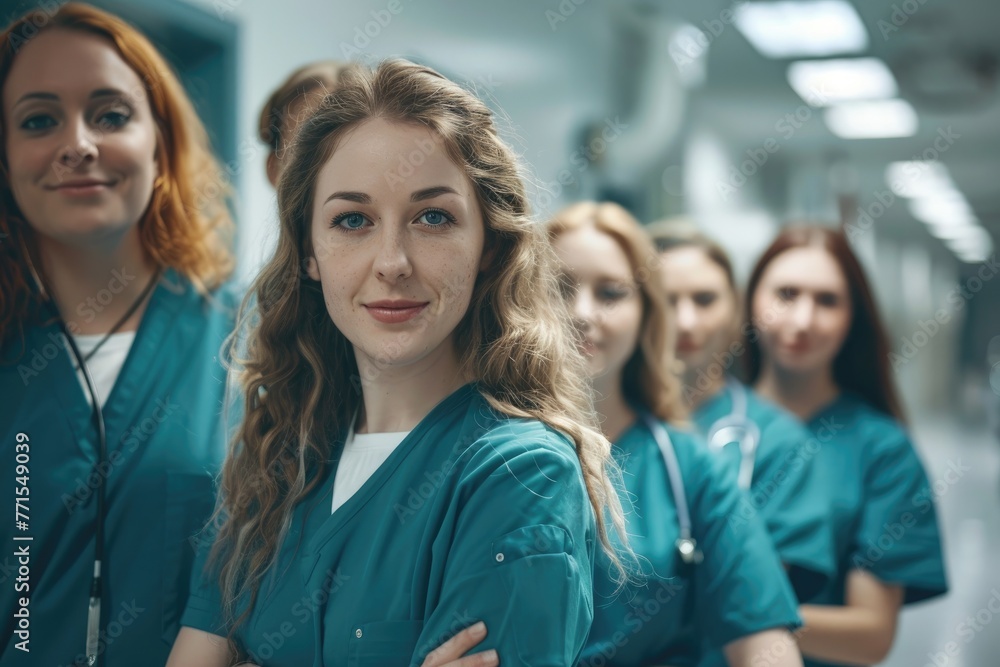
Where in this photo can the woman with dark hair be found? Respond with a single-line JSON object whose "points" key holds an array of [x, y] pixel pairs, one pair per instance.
{"points": [[817, 347], [707, 578], [771, 452], [114, 250], [419, 452]]}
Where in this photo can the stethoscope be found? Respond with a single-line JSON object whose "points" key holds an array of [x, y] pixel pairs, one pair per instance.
{"points": [[97, 416], [739, 428], [687, 547]]}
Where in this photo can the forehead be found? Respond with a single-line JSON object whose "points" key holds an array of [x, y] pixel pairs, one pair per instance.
{"points": [[689, 267], [589, 252], [386, 159], [71, 64], [812, 269]]}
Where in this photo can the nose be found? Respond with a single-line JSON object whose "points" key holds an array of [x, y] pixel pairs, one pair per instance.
{"points": [[80, 146], [392, 262], [802, 312], [584, 310], [686, 315]]}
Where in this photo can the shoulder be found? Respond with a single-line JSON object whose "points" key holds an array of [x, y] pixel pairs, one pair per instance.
{"points": [[506, 443]]}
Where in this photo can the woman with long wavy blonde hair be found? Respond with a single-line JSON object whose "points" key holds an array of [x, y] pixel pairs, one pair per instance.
{"points": [[419, 456], [710, 576], [114, 247]]}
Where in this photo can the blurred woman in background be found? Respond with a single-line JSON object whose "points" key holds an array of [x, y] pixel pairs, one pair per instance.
{"points": [[816, 346], [289, 104], [707, 575], [115, 244], [771, 452]]}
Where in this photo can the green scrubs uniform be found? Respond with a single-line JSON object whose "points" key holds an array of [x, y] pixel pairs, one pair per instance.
{"points": [[473, 516], [673, 611], [883, 509], [787, 490], [165, 442]]}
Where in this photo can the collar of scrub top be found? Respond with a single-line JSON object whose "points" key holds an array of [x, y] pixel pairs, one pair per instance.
{"points": [[687, 546], [739, 428]]}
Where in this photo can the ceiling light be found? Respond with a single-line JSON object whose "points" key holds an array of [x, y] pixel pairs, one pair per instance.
{"points": [[918, 178], [824, 82], [804, 28], [872, 120]]}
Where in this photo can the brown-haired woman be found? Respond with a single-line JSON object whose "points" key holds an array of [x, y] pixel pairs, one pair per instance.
{"points": [[419, 452], [112, 315], [709, 577], [290, 103], [817, 347]]}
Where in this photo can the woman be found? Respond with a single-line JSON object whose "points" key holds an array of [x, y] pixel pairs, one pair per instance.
{"points": [[717, 584], [816, 347], [112, 315], [772, 453], [289, 104], [418, 453]]}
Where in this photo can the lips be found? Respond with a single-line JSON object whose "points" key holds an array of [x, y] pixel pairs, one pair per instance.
{"points": [[395, 311], [82, 186]]}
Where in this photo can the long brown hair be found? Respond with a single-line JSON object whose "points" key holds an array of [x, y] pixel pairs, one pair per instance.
{"points": [[648, 377], [862, 364], [186, 225], [515, 340]]}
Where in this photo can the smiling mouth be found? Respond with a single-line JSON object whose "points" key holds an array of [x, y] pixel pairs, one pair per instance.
{"points": [[82, 187], [395, 312]]}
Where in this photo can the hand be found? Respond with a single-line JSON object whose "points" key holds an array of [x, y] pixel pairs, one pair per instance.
{"points": [[449, 654]]}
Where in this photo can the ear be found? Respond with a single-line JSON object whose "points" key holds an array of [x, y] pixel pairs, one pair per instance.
{"points": [[272, 169], [312, 268]]}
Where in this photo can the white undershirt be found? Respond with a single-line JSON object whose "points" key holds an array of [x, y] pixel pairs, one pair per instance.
{"points": [[363, 454], [105, 365]]}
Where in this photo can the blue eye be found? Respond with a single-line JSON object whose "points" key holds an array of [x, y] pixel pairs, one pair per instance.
{"points": [[435, 218], [39, 122], [349, 221]]}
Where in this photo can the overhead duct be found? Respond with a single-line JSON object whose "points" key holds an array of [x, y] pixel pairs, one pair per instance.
{"points": [[670, 55]]}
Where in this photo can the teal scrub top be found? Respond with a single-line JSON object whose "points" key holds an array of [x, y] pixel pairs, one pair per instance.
{"points": [[473, 516], [165, 442], [667, 616], [883, 510], [787, 490]]}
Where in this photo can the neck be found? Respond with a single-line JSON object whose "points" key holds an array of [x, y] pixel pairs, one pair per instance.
{"points": [[93, 287], [801, 393], [614, 411], [395, 399], [699, 386]]}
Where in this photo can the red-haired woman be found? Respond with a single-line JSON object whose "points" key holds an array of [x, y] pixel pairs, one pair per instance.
{"points": [[817, 347], [113, 251]]}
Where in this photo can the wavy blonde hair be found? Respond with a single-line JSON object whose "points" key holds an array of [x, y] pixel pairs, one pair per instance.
{"points": [[648, 377], [186, 225], [516, 339]]}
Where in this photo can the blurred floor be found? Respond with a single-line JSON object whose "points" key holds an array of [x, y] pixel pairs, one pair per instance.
{"points": [[961, 629]]}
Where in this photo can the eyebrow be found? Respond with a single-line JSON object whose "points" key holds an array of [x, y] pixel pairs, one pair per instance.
{"points": [[419, 195], [100, 92]]}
